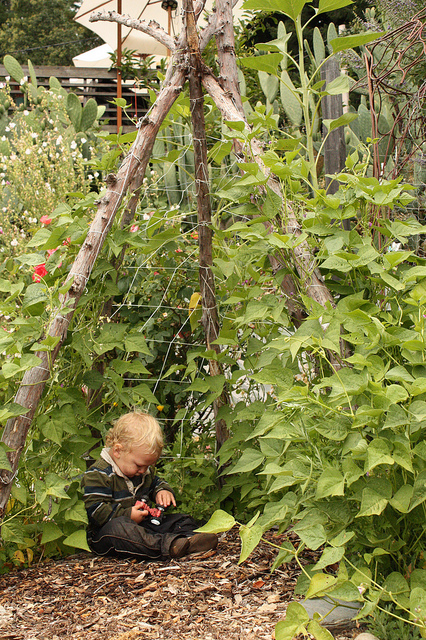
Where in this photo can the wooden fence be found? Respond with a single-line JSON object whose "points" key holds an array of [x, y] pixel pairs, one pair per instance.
{"points": [[89, 82]]}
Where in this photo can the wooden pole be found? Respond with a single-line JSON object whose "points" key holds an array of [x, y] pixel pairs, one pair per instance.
{"points": [[334, 146], [210, 317], [119, 74]]}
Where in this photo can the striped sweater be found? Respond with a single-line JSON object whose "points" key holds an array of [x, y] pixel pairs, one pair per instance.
{"points": [[109, 494]]}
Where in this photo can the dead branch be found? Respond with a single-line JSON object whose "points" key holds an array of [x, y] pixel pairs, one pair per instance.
{"points": [[151, 28]]}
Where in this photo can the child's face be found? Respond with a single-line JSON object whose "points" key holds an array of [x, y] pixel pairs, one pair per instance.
{"points": [[134, 462]]}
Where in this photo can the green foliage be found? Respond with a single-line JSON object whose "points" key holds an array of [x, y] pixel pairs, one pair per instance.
{"points": [[327, 417]]}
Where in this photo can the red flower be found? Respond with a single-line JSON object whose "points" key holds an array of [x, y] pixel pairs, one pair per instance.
{"points": [[66, 242], [39, 272], [194, 235], [45, 220], [50, 251], [134, 228]]}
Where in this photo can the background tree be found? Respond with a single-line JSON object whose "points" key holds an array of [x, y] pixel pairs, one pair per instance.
{"points": [[43, 31]]}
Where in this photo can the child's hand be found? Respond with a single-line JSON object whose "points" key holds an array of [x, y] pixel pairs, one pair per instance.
{"points": [[138, 514], [165, 498]]}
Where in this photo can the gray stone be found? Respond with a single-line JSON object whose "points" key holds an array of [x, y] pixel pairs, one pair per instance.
{"points": [[366, 636], [338, 617]]}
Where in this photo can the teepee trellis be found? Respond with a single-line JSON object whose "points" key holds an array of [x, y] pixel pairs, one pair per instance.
{"points": [[185, 63]]}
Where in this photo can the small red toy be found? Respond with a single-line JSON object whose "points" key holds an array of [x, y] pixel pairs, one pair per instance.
{"points": [[155, 512]]}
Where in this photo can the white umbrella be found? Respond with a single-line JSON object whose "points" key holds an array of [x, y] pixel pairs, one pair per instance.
{"points": [[167, 13], [97, 57]]}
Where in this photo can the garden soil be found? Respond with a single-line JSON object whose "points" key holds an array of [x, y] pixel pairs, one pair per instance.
{"points": [[205, 597]]}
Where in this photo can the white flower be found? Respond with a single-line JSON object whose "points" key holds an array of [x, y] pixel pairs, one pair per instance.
{"points": [[3, 138], [59, 140], [26, 112], [12, 125], [96, 174], [7, 78], [73, 145], [24, 80], [34, 135], [14, 242], [7, 129], [83, 140], [27, 152], [90, 177], [44, 144]]}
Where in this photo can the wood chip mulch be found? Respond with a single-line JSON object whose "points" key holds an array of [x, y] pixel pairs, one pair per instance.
{"points": [[208, 597]]}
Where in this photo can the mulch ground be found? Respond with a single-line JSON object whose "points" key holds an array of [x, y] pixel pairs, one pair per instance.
{"points": [[208, 597]]}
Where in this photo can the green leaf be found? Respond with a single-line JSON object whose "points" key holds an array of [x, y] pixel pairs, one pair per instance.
{"points": [[88, 115], [319, 585], [74, 110], [250, 537], [13, 68], [220, 521], [270, 86], [291, 8], [250, 460], [331, 555], [313, 536], [269, 62], [52, 428], [319, 632], [296, 619], [136, 342], [396, 584], [345, 591], [35, 298], [143, 391], [349, 42], [93, 379], [418, 603], [335, 88], [330, 483], [345, 119], [378, 452], [331, 5], [50, 531], [372, 503], [402, 498], [4, 460], [289, 99], [419, 490], [129, 366], [78, 540]]}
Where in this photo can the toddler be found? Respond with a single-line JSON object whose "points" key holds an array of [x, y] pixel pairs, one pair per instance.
{"points": [[116, 488]]}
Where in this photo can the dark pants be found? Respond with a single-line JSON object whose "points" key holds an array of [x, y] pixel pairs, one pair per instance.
{"points": [[121, 536]]}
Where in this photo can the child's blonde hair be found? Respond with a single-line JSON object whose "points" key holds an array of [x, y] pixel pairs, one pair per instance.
{"points": [[134, 430]]}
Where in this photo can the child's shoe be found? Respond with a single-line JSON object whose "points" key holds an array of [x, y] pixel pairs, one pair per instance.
{"points": [[179, 547], [201, 542]]}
